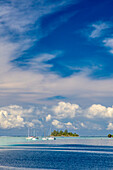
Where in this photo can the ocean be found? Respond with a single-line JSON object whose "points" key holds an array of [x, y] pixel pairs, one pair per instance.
{"points": [[76, 153]]}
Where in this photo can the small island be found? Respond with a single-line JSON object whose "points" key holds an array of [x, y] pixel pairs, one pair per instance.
{"points": [[64, 133]]}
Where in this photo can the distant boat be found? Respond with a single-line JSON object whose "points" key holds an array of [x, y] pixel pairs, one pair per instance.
{"points": [[34, 138], [29, 138], [49, 138], [44, 138]]}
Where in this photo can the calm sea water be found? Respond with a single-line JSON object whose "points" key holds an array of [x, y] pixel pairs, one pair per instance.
{"points": [[63, 153]]}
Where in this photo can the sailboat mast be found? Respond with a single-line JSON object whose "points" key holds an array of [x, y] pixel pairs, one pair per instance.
{"points": [[28, 131]]}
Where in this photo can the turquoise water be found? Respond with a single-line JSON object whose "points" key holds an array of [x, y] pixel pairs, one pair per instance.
{"points": [[5, 140], [63, 153]]}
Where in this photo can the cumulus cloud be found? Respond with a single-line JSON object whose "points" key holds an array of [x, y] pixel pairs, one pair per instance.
{"points": [[73, 112], [57, 124], [110, 126], [37, 122], [64, 110], [14, 116], [48, 118], [10, 120], [69, 125], [62, 125], [97, 110], [67, 116]]}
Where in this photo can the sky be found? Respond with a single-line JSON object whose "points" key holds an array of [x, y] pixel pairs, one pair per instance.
{"points": [[56, 66]]}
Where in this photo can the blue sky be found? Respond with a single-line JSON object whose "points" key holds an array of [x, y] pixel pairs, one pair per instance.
{"points": [[56, 65]]}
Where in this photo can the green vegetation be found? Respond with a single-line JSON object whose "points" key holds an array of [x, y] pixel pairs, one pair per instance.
{"points": [[65, 133], [110, 136]]}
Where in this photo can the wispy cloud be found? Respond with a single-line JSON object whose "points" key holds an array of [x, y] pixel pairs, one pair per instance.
{"points": [[18, 21], [19, 85], [98, 29], [39, 63], [108, 42], [103, 31]]}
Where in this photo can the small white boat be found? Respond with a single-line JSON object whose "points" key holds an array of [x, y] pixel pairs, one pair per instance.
{"points": [[29, 138], [45, 138], [35, 138], [48, 138], [51, 138]]}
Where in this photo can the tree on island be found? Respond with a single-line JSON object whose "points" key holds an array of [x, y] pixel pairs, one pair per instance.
{"points": [[109, 135], [65, 133]]}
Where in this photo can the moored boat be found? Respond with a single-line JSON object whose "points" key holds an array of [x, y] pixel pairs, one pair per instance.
{"points": [[49, 138], [35, 138], [29, 138]]}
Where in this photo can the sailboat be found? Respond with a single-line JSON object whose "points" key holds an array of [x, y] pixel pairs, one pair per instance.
{"points": [[29, 137], [34, 137], [49, 137], [44, 138]]}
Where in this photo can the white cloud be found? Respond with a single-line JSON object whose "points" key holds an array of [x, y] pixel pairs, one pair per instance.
{"points": [[29, 124], [58, 124], [62, 125], [13, 116], [83, 125], [108, 42], [64, 110], [69, 125], [97, 110], [110, 126], [37, 122], [16, 20], [39, 62], [48, 118], [8, 120], [19, 16], [27, 86], [98, 28]]}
